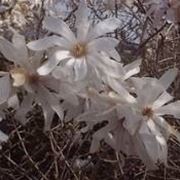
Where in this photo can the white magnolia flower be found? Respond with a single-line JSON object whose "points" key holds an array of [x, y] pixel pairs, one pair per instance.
{"points": [[43, 90], [79, 52], [145, 119], [139, 120]]}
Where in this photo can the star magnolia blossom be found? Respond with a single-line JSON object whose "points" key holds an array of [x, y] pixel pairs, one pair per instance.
{"points": [[145, 119], [78, 53], [42, 89], [135, 125]]}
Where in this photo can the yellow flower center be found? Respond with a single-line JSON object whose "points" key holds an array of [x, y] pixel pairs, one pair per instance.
{"points": [[147, 111], [79, 50], [21, 76]]}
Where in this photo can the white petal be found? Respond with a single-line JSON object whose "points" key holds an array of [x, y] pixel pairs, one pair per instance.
{"points": [[103, 27], [47, 111], [116, 86], [50, 82], [48, 42], [53, 101], [36, 60], [50, 104], [3, 137], [164, 127], [72, 111], [52, 62], [5, 88], [170, 109], [167, 128], [105, 64], [155, 144], [95, 144], [114, 54], [8, 50], [55, 105], [48, 117], [149, 92], [24, 108], [67, 92], [102, 44], [132, 69], [109, 139], [13, 101], [161, 142], [60, 27], [168, 77], [132, 121], [20, 44], [82, 23], [80, 68], [138, 82], [101, 98], [97, 137], [162, 99], [140, 148]]}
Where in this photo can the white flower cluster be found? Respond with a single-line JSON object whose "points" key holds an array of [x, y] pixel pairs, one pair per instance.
{"points": [[83, 68]]}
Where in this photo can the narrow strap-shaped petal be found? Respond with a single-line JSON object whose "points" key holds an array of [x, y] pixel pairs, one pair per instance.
{"points": [[48, 42], [8, 50], [140, 148], [58, 26], [102, 44], [162, 99], [103, 27], [132, 121], [3, 137], [151, 89], [97, 137], [48, 117], [15, 52], [116, 86], [104, 64], [161, 142], [168, 77], [55, 105], [154, 143], [24, 108], [5, 88], [52, 62], [168, 129], [47, 111], [132, 69], [114, 54], [50, 104], [82, 24], [80, 68], [170, 109], [52, 100], [13, 101], [20, 44]]}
